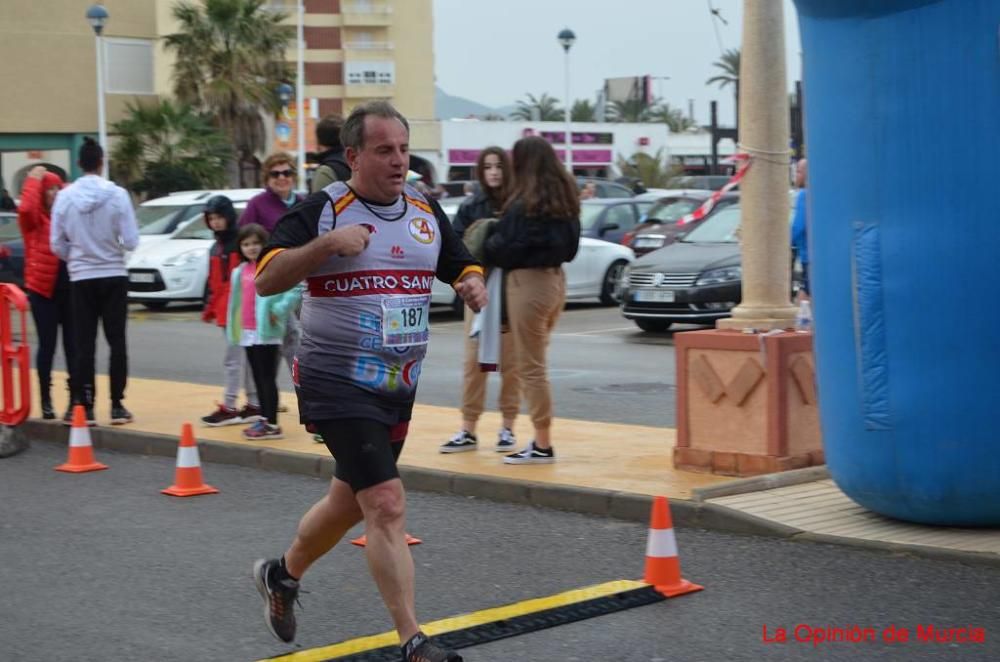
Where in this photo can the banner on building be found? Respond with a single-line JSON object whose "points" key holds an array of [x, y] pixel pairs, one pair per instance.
{"points": [[286, 127]]}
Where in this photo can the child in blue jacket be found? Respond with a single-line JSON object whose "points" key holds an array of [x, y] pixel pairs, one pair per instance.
{"points": [[258, 323]]}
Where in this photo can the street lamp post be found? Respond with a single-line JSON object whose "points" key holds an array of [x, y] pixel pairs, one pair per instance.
{"points": [[300, 85], [97, 16], [566, 39]]}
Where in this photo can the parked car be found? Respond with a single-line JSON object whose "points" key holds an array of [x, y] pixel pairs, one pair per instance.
{"points": [[159, 218], [11, 250], [658, 226], [697, 279], [707, 182], [606, 188], [610, 219], [171, 262]]}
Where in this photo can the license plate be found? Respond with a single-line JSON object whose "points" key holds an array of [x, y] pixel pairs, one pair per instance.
{"points": [[648, 242], [654, 296], [141, 278]]}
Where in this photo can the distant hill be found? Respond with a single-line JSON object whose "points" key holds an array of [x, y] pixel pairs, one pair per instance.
{"points": [[448, 107]]}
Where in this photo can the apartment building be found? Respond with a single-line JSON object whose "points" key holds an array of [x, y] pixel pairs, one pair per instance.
{"points": [[355, 50]]}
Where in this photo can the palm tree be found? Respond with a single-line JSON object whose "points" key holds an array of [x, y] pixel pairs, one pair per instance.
{"points": [[230, 59], [162, 147], [729, 63], [632, 110], [652, 170], [583, 111], [540, 109], [672, 117]]}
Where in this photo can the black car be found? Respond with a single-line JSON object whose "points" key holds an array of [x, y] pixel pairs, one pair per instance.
{"points": [[697, 279], [11, 250], [610, 219]]}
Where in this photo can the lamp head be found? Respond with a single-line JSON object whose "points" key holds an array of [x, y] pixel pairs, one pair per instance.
{"points": [[97, 16], [566, 38]]}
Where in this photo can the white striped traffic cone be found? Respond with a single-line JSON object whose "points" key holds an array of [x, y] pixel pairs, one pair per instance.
{"points": [[663, 567], [81, 452], [187, 478]]}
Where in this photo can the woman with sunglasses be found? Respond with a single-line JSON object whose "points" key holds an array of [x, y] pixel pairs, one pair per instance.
{"points": [[265, 209], [279, 192]]}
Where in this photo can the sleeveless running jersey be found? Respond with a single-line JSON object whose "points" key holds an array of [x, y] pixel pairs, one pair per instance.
{"points": [[364, 318]]}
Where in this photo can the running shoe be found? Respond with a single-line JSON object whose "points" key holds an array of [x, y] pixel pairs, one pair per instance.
{"points": [[506, 441], [279, 596], [461, 442], [531, 455], [222, 416], [262, 430], [91, 419], [250, 413], [420, 649]]}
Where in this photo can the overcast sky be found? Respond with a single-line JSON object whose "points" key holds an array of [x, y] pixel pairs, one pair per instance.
{"points": [[495, 51]]}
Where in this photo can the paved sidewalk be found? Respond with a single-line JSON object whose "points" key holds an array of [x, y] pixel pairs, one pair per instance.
{"points": [[601, 468]]}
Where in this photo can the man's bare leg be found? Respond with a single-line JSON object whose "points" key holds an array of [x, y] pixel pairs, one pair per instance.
{"points": [[322, 527], [389, 559]]}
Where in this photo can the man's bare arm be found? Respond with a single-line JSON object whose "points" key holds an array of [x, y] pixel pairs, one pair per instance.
{"points": [[285, 269]]}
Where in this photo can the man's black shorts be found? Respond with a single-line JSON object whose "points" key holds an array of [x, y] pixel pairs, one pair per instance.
{"points": [[365, 450]]}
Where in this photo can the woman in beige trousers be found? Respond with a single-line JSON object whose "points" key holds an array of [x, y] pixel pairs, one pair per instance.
{"points": [[493, 172], [538, 232]]}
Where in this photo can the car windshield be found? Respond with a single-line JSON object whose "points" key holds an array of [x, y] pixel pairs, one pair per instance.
{"points": [[721, 227], [589, 215], [162, 219], [671, 209]]}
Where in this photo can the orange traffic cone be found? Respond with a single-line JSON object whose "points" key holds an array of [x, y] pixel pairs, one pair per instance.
{"points": [[363, 540], [187, 478], [81, 452], [663, 567]]}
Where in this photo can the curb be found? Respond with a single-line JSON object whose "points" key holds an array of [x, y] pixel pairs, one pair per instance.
{"points": [[694, 513]]}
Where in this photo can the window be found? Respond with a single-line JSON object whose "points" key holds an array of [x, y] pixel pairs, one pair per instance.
{"points": [[128, 65], [371, 73], [621, 215]]}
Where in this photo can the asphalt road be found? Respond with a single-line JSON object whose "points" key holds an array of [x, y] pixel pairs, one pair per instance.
{"points": [[102, 567], [602, 366]]}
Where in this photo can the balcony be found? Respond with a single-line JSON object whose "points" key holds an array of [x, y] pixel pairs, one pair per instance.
{"points": [[369, 90], [365, 14]]}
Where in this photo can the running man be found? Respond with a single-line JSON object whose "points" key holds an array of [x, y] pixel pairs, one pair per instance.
{"points": [[369, 250]]}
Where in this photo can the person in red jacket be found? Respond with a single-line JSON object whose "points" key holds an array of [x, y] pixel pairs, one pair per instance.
{"points": [[46, 280], [224, 256]]}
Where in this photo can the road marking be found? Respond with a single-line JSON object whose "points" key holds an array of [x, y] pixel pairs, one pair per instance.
{"points": [[467, 621], [595, 331]]}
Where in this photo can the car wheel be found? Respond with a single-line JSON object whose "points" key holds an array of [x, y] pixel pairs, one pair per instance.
{"points": [[652, 325], [155, 305], [609, 288]]}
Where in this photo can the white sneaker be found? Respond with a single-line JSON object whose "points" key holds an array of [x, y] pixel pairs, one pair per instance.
{"points": [[506, 441], [460, 443], [532, 455]]}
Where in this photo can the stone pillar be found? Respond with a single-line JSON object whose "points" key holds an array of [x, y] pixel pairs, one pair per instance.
{"points": [[764, 134]]}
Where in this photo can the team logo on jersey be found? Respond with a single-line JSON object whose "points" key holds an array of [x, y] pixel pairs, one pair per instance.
{"points": [[422, 230], [397, 252]]}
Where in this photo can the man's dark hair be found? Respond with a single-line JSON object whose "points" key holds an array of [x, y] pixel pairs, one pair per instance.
{"points": [[91, 155], [328, 131], [353, 133]]}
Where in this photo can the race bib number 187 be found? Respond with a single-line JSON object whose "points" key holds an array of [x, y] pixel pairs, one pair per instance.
{"points": [[405, 320]]}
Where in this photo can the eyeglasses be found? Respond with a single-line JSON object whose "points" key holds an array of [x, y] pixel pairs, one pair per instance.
{"points": [[274, 174]]}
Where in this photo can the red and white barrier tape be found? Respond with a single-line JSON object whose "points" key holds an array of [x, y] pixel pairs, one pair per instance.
{"points": [[709, 204]]}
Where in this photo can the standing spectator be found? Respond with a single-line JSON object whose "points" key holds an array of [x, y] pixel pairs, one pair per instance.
{"points": [[93, 226], [46, 280], [332, 164], [257, 324], [538, 232], [224, 256], [265, 209], [800, 225], [493, 171]]}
